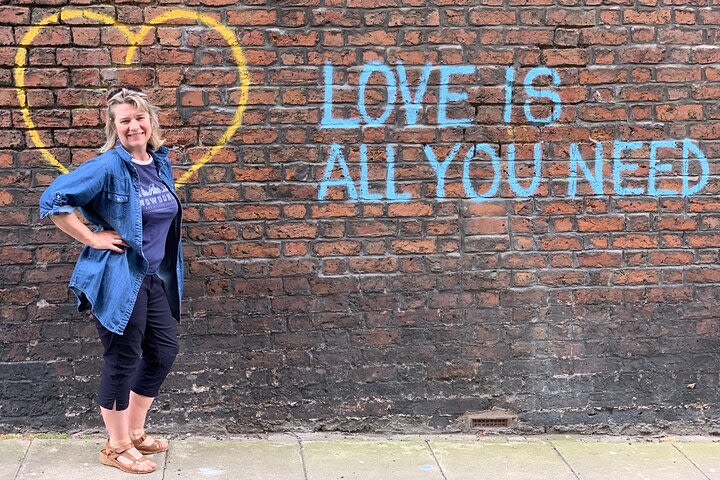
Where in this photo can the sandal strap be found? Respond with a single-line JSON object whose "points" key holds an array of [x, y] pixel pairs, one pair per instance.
{"points": [[120, 449], [155, 445], [124, 451]]}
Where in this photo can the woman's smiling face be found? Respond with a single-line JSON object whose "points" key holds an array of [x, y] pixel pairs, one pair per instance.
{"points": [[133, 126]]}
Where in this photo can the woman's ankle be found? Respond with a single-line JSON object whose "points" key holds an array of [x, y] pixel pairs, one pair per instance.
{"points": [[119, 442], [136, 433]]}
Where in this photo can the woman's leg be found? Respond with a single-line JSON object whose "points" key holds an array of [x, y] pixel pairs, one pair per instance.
{"points": [[137, 414], [121, 358], [160, 347], [116, 423]]}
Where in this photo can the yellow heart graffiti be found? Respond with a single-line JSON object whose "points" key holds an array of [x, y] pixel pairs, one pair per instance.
{"points": [[134, 41]]}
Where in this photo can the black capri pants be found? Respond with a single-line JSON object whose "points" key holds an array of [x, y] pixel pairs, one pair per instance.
{"points": [[139, 359]]}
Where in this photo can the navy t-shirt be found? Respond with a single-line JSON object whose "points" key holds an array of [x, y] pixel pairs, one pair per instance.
{"points": [[159, 208]]}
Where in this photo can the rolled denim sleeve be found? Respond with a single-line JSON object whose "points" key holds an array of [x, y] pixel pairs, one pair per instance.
{"points": [[75, 189]]}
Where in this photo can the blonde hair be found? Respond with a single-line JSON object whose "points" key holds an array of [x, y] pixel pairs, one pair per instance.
{"points": [[136, 97]]}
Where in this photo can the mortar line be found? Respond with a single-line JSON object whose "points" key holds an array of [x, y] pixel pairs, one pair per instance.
{"points": [[572, 470], [437, 462], [689, 460], [302, 454], [22, 460]]}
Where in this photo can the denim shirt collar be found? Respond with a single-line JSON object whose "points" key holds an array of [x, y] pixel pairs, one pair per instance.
{"points": [[157, 155]]}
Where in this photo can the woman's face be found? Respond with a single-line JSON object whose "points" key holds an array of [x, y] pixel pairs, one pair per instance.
{"points": [[133, 126]]}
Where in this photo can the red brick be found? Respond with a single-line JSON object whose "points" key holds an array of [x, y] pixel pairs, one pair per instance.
{"points": [[46, 77], [215, 194], [334, 211], [671, 258], [247, 17], [414, 209], [647, 17], [529, 37], [15, 15], [705, 54], [565, 57], [641, 94], [254, 250], [485, 226], [373, 37], [603, 36], [413, 246], [602, 114], [679, 112], [680, 37], [635, 241], [601, 224], [292, 230], [643, 55], [710, 17], [702, 275], [599, 259], [335, 17], [346, 247], [285, 39], [571, 18], [560, 242], [595, 76], [372, 3], [703, 240], [677, 75], [636, 277], [486, 16]]}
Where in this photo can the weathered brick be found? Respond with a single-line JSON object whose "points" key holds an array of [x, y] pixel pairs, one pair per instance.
{"points": [[647, 17], [486, 16], [571, 18], [14, 15], [253, 17]]}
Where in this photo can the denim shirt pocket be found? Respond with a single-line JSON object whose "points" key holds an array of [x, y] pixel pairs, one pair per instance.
{"points": [[117, 197], [117, 205]]}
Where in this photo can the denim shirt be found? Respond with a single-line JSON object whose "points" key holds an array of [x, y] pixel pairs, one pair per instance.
{"points": [[106, 189]]}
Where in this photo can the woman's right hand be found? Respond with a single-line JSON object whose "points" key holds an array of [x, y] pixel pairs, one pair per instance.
{"points": [[107, 240], [71, 224]]}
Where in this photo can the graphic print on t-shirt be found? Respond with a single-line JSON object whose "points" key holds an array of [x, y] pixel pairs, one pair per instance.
{"points": [[153, 197], [159, 208]]}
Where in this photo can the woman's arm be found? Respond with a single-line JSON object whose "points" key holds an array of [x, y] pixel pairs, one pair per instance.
{"points": [[102, 240]]}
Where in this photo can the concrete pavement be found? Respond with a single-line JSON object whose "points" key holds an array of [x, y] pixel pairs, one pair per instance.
{"points": [[309, 456]]}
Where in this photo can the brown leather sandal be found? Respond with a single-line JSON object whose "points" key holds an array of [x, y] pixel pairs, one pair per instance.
{"points": [[155, 447], [109, 456]]}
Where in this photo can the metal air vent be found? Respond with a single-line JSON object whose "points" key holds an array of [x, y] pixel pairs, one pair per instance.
{"points": [[490, 419]]}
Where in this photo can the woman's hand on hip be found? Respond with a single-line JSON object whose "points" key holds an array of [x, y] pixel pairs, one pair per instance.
{"points": [[71, 224], [107, 240]]}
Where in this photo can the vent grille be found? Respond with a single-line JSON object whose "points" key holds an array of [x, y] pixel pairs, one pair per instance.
{"points": [[490, 419], [490, 422]]}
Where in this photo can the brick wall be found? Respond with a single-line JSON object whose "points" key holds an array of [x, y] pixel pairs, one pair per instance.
{"points": [[429, 208]]}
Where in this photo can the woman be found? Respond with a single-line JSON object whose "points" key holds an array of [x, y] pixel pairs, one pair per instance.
{"points": [[130, 272]]}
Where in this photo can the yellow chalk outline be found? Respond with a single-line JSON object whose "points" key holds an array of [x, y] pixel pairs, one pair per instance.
{"points": [[134, 40]]}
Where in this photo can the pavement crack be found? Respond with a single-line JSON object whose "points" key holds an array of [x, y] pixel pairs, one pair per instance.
{"points": [[572, 470], [302, 454], [689, 460], [437, 462], [165, 464], [22, 461]]}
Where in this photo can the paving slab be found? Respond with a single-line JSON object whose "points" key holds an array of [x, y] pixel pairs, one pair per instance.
{"points": [[75, 459], [501, 460], [12, 452], [704, 454], [370, 460], [234, 460], [626, 460]]}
